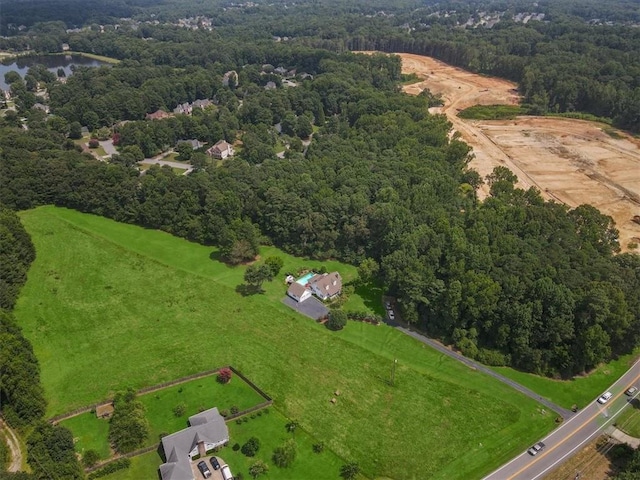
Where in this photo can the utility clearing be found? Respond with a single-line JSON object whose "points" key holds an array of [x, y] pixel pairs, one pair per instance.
{"points": [[570, 161]]}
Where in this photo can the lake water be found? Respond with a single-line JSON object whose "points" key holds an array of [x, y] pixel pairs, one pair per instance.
{"points": [[52, 62]]}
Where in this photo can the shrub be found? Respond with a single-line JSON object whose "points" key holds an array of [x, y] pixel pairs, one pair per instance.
{"points": [[258, 468], [234, 409], [318, 447], [224, 376], [110, 468], [236, 447], [180, 409], [90, 458], [250, 448], [224, 413], [337, 320], [94, 143], [350, 471], [285, 454]]}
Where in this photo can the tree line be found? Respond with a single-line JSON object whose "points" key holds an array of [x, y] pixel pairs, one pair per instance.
{"points": [[50, 448]]}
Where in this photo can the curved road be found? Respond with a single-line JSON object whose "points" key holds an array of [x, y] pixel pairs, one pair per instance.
{"points": [[572, 435], [14, 447], [565, 413]]}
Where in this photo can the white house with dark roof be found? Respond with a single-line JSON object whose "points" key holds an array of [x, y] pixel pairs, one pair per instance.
{"points": [[207, 430], [326, 286], [221, 150]]}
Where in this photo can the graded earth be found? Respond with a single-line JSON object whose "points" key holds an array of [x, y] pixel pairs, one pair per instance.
{"points": [[570, 161]]}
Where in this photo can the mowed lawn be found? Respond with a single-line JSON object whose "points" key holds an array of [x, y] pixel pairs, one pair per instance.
{"points": [[110, 305], [91, 433]]}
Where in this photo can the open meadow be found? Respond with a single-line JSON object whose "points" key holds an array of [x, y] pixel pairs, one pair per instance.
{"points": [[109, 305]]}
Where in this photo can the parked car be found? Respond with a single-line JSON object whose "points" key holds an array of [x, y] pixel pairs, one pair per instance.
{"points": [[631, 391], [387, 305], [536, 448], [226, 473], [204, 470], [392, 316], [214, 463], [604, 398]]}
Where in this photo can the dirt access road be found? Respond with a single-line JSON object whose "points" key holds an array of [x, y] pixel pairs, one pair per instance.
{"points": [[14, 447], [570, 161]]}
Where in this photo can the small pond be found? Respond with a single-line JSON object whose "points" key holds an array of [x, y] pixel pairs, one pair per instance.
{"points": [[52, 62]]}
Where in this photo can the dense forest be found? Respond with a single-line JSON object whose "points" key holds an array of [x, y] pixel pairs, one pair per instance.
{"points": [[513, 280], [576, 57]]}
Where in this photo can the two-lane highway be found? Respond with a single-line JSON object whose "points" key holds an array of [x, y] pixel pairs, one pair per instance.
{"points": [[572, 435]]}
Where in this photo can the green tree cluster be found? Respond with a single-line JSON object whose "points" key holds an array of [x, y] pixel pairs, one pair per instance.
{"points": [[128, 426]]}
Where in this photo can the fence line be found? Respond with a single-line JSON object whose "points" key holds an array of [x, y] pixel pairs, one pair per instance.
{"points": [[119, 456], [160, 386]]}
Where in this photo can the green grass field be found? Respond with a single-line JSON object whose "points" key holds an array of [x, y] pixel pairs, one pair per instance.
{"points": [[629, 420], [579, 391], [109, 305]]}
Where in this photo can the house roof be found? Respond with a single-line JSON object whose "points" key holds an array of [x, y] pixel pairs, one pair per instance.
{"points": [[296, 290], [208, 427], [220, 146], [329, 283], [158, 114]]}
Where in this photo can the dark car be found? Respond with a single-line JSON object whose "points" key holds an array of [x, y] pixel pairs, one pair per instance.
{"points": [[536, 449], [204, 470], [214, 463]]}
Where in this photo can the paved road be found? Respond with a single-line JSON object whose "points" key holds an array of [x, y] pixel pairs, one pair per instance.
{"points": [[14, 447], [155, 161], [565, 413], [572, 435]]}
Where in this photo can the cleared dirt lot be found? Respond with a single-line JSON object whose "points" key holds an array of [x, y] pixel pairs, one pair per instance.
{"points": [[570, 161]]}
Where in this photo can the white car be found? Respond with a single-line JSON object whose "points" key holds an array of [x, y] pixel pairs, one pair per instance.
{"points": [[392, 316], [605, 397]]}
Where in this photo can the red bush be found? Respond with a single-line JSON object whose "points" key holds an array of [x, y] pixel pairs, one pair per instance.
{"points": [[224, 375]]}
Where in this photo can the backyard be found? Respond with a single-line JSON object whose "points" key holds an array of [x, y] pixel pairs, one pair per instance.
{"points": [[91, 433], [269, 426], [439, 420]]}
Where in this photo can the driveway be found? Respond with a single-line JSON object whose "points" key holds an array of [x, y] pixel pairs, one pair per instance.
{"points": [[311, 307], [108, 147]]}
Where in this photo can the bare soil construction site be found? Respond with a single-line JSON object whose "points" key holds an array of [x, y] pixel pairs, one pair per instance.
{"points": [[569, 161]]}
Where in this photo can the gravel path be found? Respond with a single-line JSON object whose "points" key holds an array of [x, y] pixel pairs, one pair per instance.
{"points": [[14, 447]]}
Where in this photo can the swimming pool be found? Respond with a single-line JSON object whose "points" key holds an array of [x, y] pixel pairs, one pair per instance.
{"points": [[305, 279]]}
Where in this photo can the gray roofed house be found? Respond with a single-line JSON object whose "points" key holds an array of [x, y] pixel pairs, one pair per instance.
{"points": [[326, 286], [298, 292], [202, 104], [207, 430], [221, 150], [195, 144]]}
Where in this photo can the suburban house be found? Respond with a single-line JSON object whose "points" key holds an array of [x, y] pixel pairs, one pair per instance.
{"points": [[42, 107], [325, 286], [221, 150], [195, 144], [183, 109], [207, 431], [202, 104], [157, 115], [298, 292]]}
